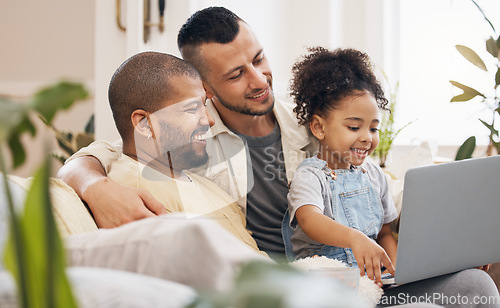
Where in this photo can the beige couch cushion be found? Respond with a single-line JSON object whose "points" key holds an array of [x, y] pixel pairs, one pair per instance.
{"points": [[71, 215]]}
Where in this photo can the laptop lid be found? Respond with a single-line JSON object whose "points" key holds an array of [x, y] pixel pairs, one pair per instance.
{"points": [[450, 219]]}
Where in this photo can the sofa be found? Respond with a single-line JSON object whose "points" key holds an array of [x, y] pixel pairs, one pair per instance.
{"points": [[92, 287]]}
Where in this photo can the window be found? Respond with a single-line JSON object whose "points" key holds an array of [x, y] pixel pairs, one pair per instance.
{"points": [[429, 32]]}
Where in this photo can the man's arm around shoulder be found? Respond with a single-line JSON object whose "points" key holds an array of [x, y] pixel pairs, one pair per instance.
{"points": [[111, 204]]}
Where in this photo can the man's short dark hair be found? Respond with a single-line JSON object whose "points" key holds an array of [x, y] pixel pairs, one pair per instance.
{"points": [[143, 82], [210, 25]]}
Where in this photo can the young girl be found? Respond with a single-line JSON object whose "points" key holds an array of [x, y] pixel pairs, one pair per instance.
{"points": [[339, 204]]}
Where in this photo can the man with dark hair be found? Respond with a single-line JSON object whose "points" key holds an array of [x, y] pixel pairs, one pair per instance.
{"points": [[131, 86], [211, 25], [147, 88], [158, 104]]}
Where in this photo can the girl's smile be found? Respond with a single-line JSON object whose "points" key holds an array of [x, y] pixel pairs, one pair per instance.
{"points": [[349, 133]]}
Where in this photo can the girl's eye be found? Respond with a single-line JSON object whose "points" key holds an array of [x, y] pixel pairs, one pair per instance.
{"points": [[353, 128], [374, 130]]}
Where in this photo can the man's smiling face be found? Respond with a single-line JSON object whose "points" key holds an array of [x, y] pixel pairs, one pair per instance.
{"points": [[238, 74], [180, 127]]}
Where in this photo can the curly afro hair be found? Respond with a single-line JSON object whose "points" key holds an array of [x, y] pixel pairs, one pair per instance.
{"points": [[323, 77]]}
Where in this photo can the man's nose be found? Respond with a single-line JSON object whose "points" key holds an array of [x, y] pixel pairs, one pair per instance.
{"points": [[207, 119], [258, 80]]}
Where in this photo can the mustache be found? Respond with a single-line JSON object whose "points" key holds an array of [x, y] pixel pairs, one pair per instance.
{"points": [[269, 84], [201, 130]]}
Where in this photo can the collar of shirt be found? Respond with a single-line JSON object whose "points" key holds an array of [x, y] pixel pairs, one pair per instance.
{"points": [[293, 134]]}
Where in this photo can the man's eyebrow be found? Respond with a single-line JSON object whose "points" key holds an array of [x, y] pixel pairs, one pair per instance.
{"points": [[258, 54], [190, 102], [241, 66]]}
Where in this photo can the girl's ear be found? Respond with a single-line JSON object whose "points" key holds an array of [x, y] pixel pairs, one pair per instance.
{"points": [[208, 90], [142, 125], [317, 127]]}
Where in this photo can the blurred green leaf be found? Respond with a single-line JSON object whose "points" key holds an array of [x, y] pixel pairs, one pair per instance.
{"points": [[89, 127], [497, 146], [12, 113], [465, 88], [471, 56], [466, 149], [16, 149], [26, 125], [64, 141], [484, 15], [61, 96], [14, 140], [491, 47], [257, 270], [82, 140], [34, 253], [265, 284], [15, 116], [469, 93], [462, 97], [387, 131], [58, 157], [497, 78], [490, 127], [14, 121], [46, 283], [69, 142], [18, 255]]}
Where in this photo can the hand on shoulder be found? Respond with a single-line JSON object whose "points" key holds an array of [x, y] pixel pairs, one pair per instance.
{"points": [[113, 204]]}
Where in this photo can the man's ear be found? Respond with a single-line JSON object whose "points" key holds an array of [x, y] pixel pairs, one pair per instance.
{"points": [[140, 120], [208, 90], [317, 126]]}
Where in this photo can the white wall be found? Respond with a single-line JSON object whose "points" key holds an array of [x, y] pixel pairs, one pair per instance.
{"points": [[80, 40], [43, 42], [284, 27], [113, 46], [429, 60]]}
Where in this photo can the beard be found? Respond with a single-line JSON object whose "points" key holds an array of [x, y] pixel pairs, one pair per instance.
{"points": [[177, 150], [185, 157], [248, 110]]}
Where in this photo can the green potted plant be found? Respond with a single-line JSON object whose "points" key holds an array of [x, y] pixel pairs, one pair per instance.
{"points": [[70, 142], [34, 252], [492, 101], [387, 131]]}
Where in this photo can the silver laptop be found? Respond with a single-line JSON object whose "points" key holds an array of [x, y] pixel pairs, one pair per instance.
{"points": [[450, 219]]}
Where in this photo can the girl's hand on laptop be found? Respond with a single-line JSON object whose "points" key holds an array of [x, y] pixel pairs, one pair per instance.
{"points": [[484, 267], [370, 257]]}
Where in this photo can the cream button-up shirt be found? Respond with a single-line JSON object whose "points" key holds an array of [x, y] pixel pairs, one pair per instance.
{"points": [[228, 162]]}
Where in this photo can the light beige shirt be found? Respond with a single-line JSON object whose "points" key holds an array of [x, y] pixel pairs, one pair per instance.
{"points": [[197, 199]]}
